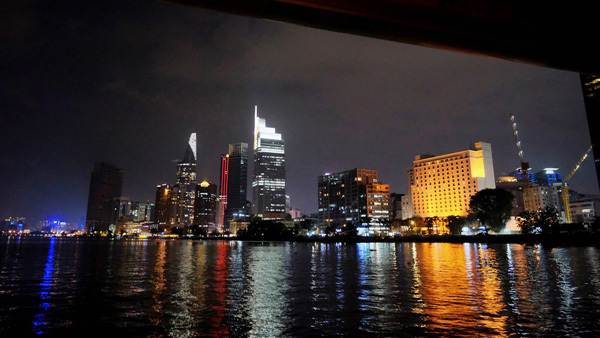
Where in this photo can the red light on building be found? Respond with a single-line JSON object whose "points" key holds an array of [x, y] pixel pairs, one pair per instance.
{"points": [[224, 179]]}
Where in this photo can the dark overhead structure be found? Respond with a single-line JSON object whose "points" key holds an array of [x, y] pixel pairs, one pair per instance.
{"points": [[560, 36]]}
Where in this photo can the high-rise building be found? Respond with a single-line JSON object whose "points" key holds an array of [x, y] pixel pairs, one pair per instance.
{"points": [[142, 212], [443, 185], [548, 176], [223, 189], [237, 181], [407, 207], [105, 186], [352, 199], [515, 186], [205, 205], [121, 210], [179, 210], [585, 209], [591, 97], [268, 186], [161, 206], [396, 205], [186, 180], [538, 197]]}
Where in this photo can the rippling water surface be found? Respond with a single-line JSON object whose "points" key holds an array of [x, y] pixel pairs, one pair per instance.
{"points": [[272, 289]]}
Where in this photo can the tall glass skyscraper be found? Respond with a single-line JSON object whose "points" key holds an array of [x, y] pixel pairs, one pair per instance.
{"points": [[237, 181], [105, 187], [186, 180], [268, 186]]}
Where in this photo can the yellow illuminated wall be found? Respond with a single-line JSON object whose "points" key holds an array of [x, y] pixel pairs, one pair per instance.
{"points": [[477, 167], [443, 185]]}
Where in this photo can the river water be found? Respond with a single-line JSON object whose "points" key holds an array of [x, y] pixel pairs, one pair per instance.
{"points": [[189, 288]]}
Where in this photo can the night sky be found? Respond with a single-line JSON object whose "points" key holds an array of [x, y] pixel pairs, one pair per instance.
{"points": [[128, 81]]}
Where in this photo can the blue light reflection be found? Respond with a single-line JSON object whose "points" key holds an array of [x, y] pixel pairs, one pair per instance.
{"points": [[44, 293]]}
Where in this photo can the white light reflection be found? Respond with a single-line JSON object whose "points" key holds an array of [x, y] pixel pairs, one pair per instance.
{"points": [[562, 258], [512, 291], [183, 320], [267, 291], [416, 293]]}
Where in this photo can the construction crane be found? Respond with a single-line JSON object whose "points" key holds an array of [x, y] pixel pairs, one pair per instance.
{"points": [[565, 187], [524, 165]]}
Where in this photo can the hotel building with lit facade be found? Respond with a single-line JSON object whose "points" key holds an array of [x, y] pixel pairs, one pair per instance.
{"points": [[354, 199], [443, 185], [268, 186]]}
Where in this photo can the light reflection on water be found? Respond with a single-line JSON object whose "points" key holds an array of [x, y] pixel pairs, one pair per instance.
{"points": [[271, 289], [45, 287]]}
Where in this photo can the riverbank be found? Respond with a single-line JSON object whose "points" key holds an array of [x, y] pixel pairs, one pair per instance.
{"points": [[555, 240], [572, 239]]}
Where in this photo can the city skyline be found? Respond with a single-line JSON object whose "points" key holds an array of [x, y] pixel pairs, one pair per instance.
{"points": [[132, 94]]}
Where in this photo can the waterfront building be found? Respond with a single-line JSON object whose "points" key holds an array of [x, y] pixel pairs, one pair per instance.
{"points": [[515, 186], [443, 185], [237, 225], [237, 182], [233, 183], [268, 186], [161, 206], [584, 210], [396, 206], [142, 212], [407, 208], [223, 189], [178, 207], [13, 225], [538, 197], [105, 186], [186, 181], [353, 199], [205, 206], [378, 208], [591, 98], [121, 211]]}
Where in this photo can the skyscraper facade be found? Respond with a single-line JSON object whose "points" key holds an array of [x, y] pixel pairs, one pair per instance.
{"points": [[268, 186], [591, 97], [205, 206], [161, 206], [354, 198], [224, 179], [105, 187], [237, 181], [186, 181], [443, 185]]}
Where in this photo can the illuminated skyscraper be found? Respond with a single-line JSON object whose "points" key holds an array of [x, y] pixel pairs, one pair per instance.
{"points": [[105, 187], [237, 181], [268, 186], [443, 185], [591, 97], [186, 180], [223, 190], [205, 206], [161, 206], [354, 199]]}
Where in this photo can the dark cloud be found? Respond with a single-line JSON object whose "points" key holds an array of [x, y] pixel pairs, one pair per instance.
{"points": [[128, 81]]}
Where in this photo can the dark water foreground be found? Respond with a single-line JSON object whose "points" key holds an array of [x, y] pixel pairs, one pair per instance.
{"points": [[271, 289]]}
